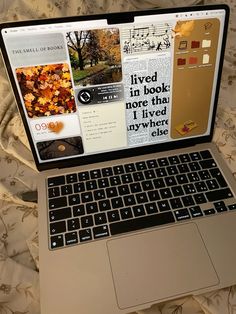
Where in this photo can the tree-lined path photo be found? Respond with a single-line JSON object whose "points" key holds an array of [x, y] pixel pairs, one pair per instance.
{"points": [[95, 56]]}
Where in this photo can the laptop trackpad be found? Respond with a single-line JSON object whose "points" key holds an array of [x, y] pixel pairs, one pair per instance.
{"points": [[159, 264]]}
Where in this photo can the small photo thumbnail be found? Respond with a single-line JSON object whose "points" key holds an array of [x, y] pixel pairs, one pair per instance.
{"points": [[46, 89], [95, 56]]}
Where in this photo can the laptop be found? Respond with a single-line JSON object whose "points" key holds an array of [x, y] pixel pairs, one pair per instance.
{"points": [[136, 205]]}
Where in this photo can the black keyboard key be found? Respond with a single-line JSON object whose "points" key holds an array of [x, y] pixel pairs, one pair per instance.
{"points": [[151, 208], [103, 183], [163, 162], [141, 223], [195, 211], [182, 179], [55, 181], [194, 166], [177, 190], [92, 185], [85, 235], [204, 174], [212, 184], [138, 210], [184, 158], [159, 183], [161, 172], [129, 200], [57, 227], [163, 205], [91, 208], [147, 185], [79, 187], [183, 168], [170, 181], [100, 219], [57, 202], [182, 214], [232, 207], [189, 188], [165, 193], [100, 232], [152, 163], [83, 176], [124, 189], [53, 192], [59, 214], [176, 203], [215, 172], [172, 170], [118, 169], [95, 174], [135, 187], [201, 186], [200, 198], [129, 167], [66, 189], [107, 172], [217, 195], [210, 211], [57, 241], [113, 215], [126, 178], [73, 224], [138, 176], [174, 160], [99, 194], [193, 177], [141, 198], [78, 210], [195, 156], [71, 238], [71, 178], [117, 202], [153, 195], [220, 206], [149, 174], [104, 205], [74, 199], [115, 180], [111, 192], [141, 165], [126, 213], [188, 200], [208, 163], [87, 197], [87, 221], [205, 154]]}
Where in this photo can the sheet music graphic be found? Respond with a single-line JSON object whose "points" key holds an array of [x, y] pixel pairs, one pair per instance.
{"points": [[152, 38]]}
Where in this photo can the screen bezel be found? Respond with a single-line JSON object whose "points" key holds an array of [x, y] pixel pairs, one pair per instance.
{"points": [[115, 18]]}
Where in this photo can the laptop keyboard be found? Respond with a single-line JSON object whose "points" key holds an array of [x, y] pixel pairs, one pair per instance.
{"points": [[91, 205]]}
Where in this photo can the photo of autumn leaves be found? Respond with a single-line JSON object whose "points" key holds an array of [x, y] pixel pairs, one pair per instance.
{"points": [[95, 59], [46, 90]]}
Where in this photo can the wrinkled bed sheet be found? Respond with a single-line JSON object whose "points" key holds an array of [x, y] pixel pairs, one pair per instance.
{"points": [[19, 262]]}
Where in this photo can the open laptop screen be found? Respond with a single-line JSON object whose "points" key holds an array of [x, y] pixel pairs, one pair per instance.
{"points": [[88, 87]]}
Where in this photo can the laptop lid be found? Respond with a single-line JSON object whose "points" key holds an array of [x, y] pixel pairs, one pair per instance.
{"points": [[93, 88]]}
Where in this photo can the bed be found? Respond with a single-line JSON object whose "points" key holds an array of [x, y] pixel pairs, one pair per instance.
{"points": [[19, 261]]}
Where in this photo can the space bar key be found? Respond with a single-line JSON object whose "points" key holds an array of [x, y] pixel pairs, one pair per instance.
{"points": [[141, 223]]}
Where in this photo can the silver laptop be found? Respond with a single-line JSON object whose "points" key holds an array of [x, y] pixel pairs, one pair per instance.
{"points": [[135, 204]]}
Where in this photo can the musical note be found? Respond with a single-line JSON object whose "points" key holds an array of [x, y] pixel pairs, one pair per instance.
{"points": [[147, 38]]}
